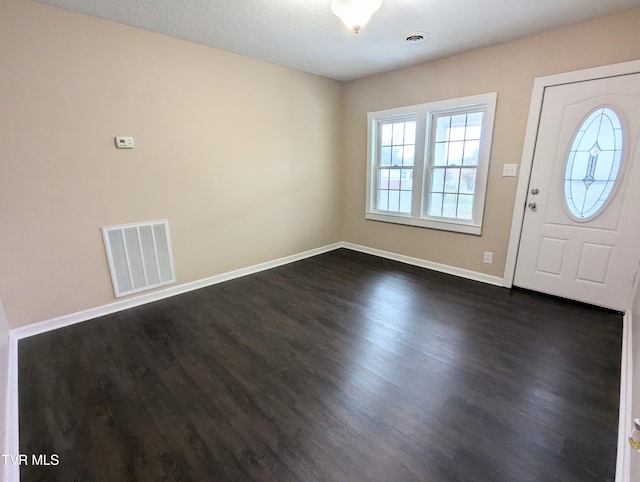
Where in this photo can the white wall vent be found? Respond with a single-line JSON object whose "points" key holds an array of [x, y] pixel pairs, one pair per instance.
{"points": [[140, 256]]}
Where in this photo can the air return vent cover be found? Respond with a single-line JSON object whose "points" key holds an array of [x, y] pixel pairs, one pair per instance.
{"points": [[139, 256]]}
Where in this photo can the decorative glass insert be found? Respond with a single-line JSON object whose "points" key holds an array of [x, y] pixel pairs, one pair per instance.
{"points": [[454, 164], [396, 154], [593, 163]]}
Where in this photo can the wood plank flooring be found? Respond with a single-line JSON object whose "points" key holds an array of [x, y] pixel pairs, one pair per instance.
{"points": [[341, 367]]}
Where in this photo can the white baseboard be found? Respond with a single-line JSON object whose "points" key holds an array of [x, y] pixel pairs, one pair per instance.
{"points": [[625, 419], [423, 263], [91, 313], [11, 472], [80, 316]]}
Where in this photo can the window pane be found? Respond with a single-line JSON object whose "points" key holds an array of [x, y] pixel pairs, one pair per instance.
{"points": [[406, 179], [474, 125], [409, 154], [394, 179], [590, 136], [405, 201], [383, 200], [452, 180], [468, 181], [455, 153], [456, 134], [474, 119], [383, 178], [398, 134], [435, 204], [593, 197], [603, 166], [450, 205], [437, 180], [473, 133], [457, 129], [580, 163], [440, 154], [575, 192], [410, 132], [385, 134], [471, 149], [442, 128], [465, 207], [394, 200], [385, 156], [458, 120], [396, 155]]}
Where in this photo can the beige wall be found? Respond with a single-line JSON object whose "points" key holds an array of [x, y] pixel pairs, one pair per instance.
{"points": [[241, 156], [507, 68]]}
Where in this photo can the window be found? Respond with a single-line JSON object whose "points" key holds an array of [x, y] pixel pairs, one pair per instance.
{"points": [[395, 169], [428, 163], [593, 164]]}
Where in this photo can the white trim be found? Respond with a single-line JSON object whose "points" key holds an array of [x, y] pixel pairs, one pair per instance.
{"points": [[11, 472], [528, 151], [73, 318], [444, 224], [423, 263], [625, 419], [423, 115], [523, 184]]}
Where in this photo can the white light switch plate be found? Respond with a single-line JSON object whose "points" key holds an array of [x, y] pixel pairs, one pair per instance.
{"points": [[509, 170], [124, 142]]}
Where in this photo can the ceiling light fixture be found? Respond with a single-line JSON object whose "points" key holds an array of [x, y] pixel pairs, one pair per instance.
{"points": [[355, 13]]}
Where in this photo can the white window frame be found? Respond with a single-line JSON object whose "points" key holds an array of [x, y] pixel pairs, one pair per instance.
{"points": [[425, 132]]}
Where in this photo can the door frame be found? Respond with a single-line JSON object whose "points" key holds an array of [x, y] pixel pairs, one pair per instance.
{"points": [[531, 137]]}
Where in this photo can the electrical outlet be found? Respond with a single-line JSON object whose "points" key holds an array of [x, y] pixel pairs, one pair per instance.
{"points": [[488, 257]]}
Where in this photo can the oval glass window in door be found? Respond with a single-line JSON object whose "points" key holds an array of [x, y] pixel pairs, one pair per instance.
{"points": [[593, 164]]}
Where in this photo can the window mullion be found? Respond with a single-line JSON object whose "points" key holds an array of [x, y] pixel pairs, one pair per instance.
{"points": [[428, 163], [419, 165]]}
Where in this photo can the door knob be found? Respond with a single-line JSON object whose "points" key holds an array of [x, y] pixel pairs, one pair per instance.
{"points": [[533, 205]]}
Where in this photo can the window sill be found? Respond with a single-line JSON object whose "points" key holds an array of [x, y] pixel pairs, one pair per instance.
{"points": [[466, 228]]}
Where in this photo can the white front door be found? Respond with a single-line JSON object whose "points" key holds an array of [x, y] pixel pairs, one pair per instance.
{"points": [[581, 232]]}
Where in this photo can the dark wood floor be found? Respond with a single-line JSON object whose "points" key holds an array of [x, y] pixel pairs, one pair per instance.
{"points": [[341, 367]]}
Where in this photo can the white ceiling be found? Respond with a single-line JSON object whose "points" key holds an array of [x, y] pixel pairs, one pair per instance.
{"points": [[305, 35]]}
